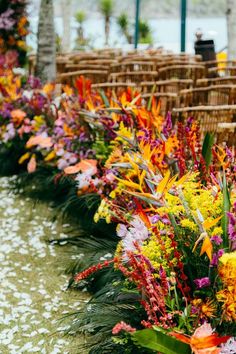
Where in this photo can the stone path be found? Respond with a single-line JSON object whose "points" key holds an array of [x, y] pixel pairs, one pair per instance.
{"points": [[32, 284]]}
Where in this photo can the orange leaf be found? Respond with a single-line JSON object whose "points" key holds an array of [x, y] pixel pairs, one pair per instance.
{"points": [[182, 337], [207, 342], [207, 247], [208, 224]]}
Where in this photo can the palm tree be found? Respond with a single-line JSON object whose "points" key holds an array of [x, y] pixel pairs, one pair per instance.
{"points": [[106, 8], [231, 24], [145, 34], [80, 18], [46, 53], [123, 23]]}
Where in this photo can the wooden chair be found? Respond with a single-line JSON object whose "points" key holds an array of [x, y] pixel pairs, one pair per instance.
{"points": [[182, 72], [208, 116], [225, 134], [130, 66], [116, 87], [134, 76], [210, 95], [97, 61], [77, 67], [170, 86], [218, 71], [226, 80], [96, 76]]}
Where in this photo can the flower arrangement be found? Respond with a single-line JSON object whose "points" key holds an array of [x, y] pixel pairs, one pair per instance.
{"points": [[171, 199], [13, 31]]}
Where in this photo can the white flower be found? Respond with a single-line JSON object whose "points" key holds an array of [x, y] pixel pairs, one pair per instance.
{"points": [[229, 347], [137, 233]]}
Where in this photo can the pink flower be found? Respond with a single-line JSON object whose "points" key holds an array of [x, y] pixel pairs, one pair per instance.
{"points": [[202, 282], [122, 326]]}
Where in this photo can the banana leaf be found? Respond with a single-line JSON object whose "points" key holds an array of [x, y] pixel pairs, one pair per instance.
{"points": [[160, 342], [226, 208], [206, 148]]}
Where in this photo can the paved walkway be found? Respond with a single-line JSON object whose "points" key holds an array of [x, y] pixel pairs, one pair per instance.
{"points": [[32, 283]]}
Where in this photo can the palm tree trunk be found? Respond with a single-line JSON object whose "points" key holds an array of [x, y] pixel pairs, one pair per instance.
{"points": [[66, 13], [46, 53], [107, 29], [231, 24]]}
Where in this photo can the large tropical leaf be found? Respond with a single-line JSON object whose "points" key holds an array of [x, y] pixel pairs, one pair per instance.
{"points": [[206, 148], [161, 342], [226, 208]]}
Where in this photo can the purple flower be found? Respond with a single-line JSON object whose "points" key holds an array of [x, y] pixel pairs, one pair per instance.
{"points": [[6, 22], [214, 260], [232, 228], [216, 239], [202, 282], [216, 256], [155, 218]]}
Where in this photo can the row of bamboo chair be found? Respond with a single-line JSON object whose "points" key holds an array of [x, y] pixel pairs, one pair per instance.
{"points": [[183, 83]]}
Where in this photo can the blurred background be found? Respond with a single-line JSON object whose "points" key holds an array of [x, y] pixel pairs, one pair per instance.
{"points": [[79, 24]]}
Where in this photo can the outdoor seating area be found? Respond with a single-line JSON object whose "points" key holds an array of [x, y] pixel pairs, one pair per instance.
{"points": [[182, 83]]}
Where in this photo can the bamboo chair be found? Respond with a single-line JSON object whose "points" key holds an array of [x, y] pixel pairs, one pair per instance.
{"points": [[134, 76], [90, 57], [96, 76], [219, 71], [209, 117], [226, 80], [131, 66], [171, 86], [174, 62], [182, 72], [116, 87], [98, 61], [76, 67], [226, 133], [219, 63], [210, 95]]}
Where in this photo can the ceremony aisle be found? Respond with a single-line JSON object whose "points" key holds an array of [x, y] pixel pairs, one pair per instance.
{"points": [[33, 297]]}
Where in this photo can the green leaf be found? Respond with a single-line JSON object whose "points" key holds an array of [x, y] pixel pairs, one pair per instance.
{"points": [[158, 341], [104, 98], [226, 208], [206, 148]]}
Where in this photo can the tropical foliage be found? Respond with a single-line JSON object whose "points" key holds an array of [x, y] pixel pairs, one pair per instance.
{"points": [[155, 209]]}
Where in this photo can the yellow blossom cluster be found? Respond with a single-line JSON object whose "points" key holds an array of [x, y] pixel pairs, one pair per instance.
{"points": [[227, 272], [159, 253], [103, 212]]}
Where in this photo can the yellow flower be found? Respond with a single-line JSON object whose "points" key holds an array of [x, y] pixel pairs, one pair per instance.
{"points": [[227, 272], [206, 309], [189, 224], [227, 268]]}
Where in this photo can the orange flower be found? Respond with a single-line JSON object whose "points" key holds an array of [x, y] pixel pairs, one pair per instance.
{"points": [[32, 164], [83, 166], [18, 116], [44, 142], [203, 341]]}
